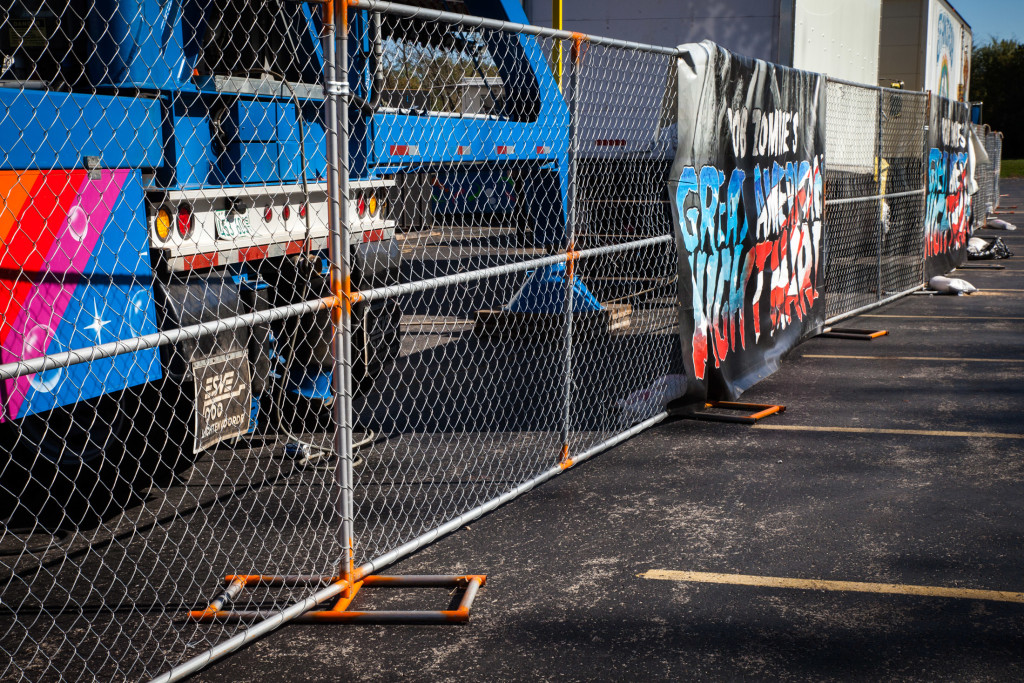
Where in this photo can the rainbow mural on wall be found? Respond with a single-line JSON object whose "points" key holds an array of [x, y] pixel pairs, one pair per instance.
{"points": [[74, 272], [946, 47]]}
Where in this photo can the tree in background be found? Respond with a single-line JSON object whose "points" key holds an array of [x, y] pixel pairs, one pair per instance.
{"points": [[997, 72]]}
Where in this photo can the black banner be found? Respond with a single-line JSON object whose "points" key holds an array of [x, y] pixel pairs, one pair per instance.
{"points": [[747, 200], [947, 221]]}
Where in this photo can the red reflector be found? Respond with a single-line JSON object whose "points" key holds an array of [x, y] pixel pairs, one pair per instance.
{"points": [[199, 261], [373, 235], [302, 211], [286, 212], [252, 253], [361, 206], [268, 213], [185, 222]]}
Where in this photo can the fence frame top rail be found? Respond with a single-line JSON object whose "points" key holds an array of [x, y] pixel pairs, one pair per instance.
{"points": [[412, 12]]}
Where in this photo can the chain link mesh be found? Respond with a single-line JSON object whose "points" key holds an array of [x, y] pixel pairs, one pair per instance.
{"points": [[167, 362], [491, 388], [994, 147], [150, 184], [875, 194], [986, 200]]}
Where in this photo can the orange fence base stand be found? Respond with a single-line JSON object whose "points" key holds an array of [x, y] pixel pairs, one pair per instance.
{"points": [[339, 612], [851, 333], [761, 411]]}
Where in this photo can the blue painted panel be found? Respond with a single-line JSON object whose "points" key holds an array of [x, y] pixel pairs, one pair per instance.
{"points": [[314, 138], [143, 43], [256, 121], [193, 160], [251, 162], [114, 301], [47, 129]]}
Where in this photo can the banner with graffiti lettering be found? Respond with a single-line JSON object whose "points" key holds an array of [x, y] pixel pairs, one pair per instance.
{"points": [[746, 190], [947, 220]]}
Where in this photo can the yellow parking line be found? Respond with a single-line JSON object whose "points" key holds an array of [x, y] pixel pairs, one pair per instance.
{"points": [[873, 430], [838, 586], [946, 359], [943, 318]]}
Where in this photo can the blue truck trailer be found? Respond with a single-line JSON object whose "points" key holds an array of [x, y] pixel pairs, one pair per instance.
{"points": [[163, 163]]}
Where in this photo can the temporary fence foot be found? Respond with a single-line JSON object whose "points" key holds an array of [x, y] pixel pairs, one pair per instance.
{"points": [[851, 333], [470, 584], [981, 266], [761, 411]]}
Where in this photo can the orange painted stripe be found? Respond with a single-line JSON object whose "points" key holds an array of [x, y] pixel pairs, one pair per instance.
{"points": [[36, 228], [15, 189]]}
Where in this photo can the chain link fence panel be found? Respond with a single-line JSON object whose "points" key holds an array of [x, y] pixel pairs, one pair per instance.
{"points": [[903, 120], [994, 147], [482, 205], [542, 258], [164, 235], [874, 205], [853, 209], [986, 201], [169, 377], [983, 200]]}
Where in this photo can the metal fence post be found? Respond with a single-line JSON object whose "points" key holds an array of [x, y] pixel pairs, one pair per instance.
{"points": [[925, 156], [571, 253], [337, 147], [881, 202]]}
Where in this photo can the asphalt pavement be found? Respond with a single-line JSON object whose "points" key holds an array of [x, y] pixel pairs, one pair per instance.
{"points": [[875, 530]]}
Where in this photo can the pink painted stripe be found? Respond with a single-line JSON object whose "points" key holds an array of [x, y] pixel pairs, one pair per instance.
{"points": [[37, 323]]}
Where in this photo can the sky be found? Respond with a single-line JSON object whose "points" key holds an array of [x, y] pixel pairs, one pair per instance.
{"points": [[999, 18]]}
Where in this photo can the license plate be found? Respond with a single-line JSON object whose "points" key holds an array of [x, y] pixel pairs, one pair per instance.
{"points": [[231, 225], [223, 398]]}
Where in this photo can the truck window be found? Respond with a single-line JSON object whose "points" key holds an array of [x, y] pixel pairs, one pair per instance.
{"points": [[430, 68], [262, 37], [42, 43]]}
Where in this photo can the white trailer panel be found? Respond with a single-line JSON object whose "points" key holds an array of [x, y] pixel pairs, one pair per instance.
{"points": [[927, 45], [746, 27], [948, 60], [837, 38]]}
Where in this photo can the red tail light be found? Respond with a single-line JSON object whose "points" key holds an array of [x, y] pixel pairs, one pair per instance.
{"points": [[185, 221], [361, 206]]}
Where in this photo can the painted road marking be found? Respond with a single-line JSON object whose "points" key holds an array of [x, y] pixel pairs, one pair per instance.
{"points": [[929, 358], [872, 430], [838, 586], [944, 317]]}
